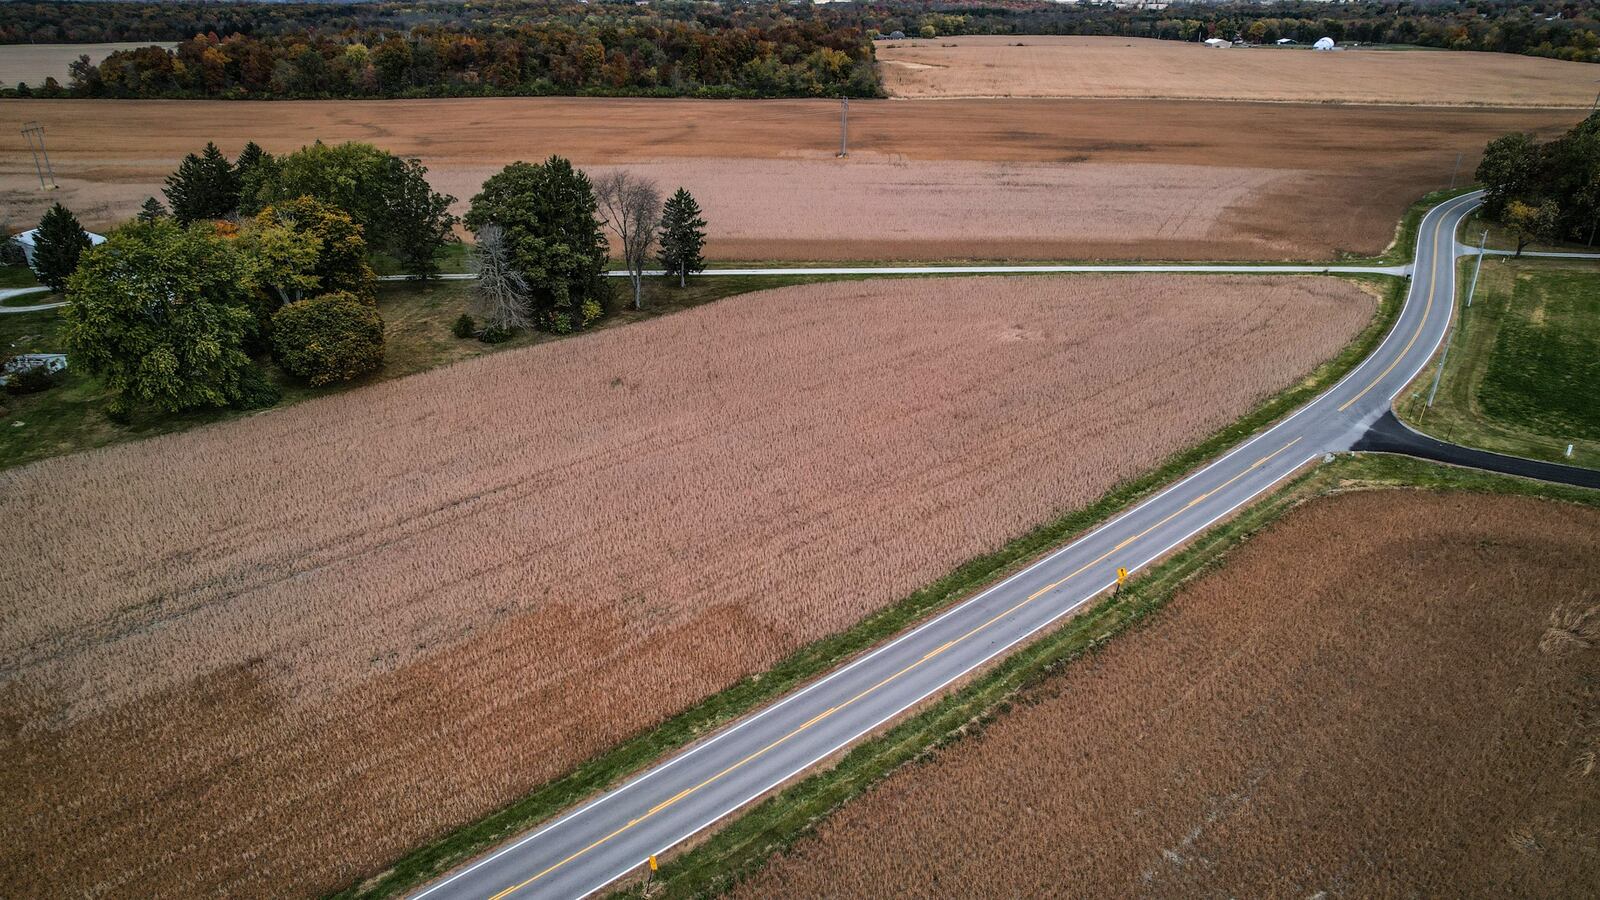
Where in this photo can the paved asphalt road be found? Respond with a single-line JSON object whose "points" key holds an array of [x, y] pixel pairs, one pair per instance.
{"points": [[587, 849]]}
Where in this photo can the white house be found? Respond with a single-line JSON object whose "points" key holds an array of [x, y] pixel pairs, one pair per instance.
{"points": [[1218, 42], [25, 240]]}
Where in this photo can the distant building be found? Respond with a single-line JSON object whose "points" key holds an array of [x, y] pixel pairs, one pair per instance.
{"points": [[25, 240], [1218, 42], [1323, 43], [1284, 42]]}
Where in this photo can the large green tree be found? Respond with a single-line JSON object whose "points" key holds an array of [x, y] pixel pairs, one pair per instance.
{"points": [[547, 217], [58, 245], [389, 197], [418, 217], [1545, 191], [204, 187], [683, 236], [159, 313]]}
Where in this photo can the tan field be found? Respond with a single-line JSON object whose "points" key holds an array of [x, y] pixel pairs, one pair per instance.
{"points": [[1020, 179], [1388, 694], [266, 657], [1141, 68], [33, 63]]}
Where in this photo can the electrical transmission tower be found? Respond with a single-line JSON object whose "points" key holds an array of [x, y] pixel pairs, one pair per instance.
{"points": [[844, 127], [34, 132]]}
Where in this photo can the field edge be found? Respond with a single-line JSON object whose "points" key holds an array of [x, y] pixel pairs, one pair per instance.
{"points": [[642, 750], [742, 847]]}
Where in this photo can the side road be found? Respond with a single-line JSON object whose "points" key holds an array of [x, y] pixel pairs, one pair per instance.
{"points": [[890, 270]]}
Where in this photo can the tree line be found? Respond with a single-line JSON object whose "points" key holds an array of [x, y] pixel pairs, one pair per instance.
{"points": [[270, 255], [676, 50], [1545, 192], [1568, 29]]}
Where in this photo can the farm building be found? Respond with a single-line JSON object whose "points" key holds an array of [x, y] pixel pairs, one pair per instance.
{"points": [[25, 241], [1323, 43]]}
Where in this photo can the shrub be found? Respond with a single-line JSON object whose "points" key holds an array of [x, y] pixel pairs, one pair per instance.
{"points": [[464, 327], [331, 338], [494, 334]]}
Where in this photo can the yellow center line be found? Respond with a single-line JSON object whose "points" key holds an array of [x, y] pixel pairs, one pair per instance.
{"points": [[1433, 283], [686, 792]]}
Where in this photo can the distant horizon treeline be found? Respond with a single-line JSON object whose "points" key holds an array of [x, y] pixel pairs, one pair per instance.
{"points": [[339, 51]]}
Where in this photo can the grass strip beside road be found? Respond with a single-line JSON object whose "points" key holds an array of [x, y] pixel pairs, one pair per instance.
{"points": [[817, 658], [1517, 378], [743, 846]]}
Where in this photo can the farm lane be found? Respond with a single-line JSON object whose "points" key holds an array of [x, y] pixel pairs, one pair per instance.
{"points": [[906, 270], [615, 833]]}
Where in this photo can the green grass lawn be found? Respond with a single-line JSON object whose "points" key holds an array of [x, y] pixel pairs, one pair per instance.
{"points": [[17, 277], [417, 319], [1522, 373]]}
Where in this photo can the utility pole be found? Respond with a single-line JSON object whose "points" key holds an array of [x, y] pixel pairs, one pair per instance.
{"points": [[1455, 171], [34, 133], [1477, 267], [844, 127]]}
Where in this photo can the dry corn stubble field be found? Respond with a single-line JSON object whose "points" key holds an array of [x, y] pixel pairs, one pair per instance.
{"points": [[266, 657], [980, 179], [1144, 68], [1389, 693]]}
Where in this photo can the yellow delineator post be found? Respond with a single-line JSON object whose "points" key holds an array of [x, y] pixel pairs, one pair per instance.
{"points": [[1122, 576], [650, 874]]}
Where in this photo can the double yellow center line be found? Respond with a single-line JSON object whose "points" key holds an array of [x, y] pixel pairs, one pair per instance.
{"points": [[1433, 284], [687, 792]]}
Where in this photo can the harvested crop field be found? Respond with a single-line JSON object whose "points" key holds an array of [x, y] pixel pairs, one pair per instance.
{"points": [[267, 657], [32, 63], [1143, 68], [1385, 694], [991, 179]]}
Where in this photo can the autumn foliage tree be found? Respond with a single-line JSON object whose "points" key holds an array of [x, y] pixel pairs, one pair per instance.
{"points": [[1547, 191], [329, 338]]}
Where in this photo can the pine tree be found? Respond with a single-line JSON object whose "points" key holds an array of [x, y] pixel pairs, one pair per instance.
{"points": [[152, 210], [57, 245], [204, 187], [683, 235]]}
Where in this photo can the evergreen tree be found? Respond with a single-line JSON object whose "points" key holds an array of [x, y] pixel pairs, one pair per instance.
{"points": [[547, 214], [683, 235], [57, 245], [204, 187], [152, 210]]}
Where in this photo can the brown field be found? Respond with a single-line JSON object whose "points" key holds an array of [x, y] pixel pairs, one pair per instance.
{"points": [[1135, 68], [1388, 694], [33, 63], [265, 657], [1018, 179]]}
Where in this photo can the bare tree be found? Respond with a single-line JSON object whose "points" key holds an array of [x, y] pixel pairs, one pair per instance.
{"points": [[632, 207], [500, 293]]}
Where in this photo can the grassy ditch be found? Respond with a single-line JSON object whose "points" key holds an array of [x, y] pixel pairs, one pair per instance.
{"points": [[810, 661], [1519, 375], [743, 846]]}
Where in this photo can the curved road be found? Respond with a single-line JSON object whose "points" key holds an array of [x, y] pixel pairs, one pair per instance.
{"points": [[590, 847]]}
